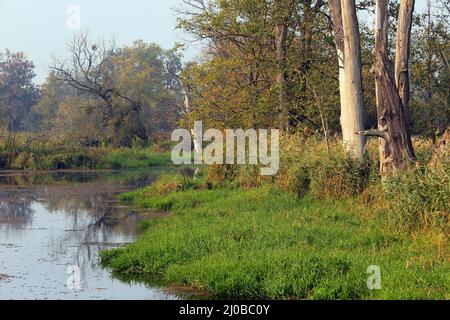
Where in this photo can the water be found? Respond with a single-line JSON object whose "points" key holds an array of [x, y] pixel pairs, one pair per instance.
{"points": [[52, 221]]}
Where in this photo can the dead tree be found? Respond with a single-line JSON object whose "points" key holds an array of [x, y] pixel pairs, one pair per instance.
{"points": [[396, 145], [402, 54], [91, 71]]}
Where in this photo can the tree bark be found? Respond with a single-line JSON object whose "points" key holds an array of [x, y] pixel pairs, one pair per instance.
{"points": [[352, 121], [338, 37], [402, 53], [282, 15], [281, 34], [392, 124], [381, 46]]}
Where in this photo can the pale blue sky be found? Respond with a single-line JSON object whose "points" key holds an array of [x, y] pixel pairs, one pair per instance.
{"points": [[38, 27]]}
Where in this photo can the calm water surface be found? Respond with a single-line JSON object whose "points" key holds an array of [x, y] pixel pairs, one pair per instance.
{"points": [[51, 221]]}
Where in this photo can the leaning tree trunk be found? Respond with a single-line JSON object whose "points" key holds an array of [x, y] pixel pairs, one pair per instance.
{"points": [[393, 127], [353, 120], [402, 60]]}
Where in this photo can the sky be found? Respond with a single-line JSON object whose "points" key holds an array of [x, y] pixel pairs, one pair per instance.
{"points": [[40, 28]]}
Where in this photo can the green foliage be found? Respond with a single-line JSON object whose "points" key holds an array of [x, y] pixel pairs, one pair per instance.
{"points": [[18, 93], [430, 77], [235, 86]]}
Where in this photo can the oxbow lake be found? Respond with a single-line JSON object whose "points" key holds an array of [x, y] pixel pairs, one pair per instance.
{"points": [[51, 221]]}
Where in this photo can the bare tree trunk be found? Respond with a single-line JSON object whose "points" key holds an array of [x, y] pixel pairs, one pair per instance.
{"points": [[187, 97], [391, 117], [336, 17], [381, 45], [353, 120], [402, 60]]}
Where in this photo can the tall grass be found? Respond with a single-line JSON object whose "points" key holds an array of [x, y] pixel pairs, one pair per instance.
{"points": [[420, 198]]}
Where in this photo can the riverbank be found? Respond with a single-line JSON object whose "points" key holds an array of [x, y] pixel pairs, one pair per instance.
{"points": [[267, 243], [50, 158]]}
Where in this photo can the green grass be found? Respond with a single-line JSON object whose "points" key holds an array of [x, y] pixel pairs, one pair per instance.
{"points": [[47, 157], [266, 243], [134, 159]]}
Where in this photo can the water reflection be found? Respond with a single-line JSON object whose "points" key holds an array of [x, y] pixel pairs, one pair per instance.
{"points": [[15, 209], [51, 221]]}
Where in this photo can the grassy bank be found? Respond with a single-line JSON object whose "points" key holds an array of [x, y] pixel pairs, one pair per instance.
{"points": [[134, 159], [265, 242], [47, 157]]}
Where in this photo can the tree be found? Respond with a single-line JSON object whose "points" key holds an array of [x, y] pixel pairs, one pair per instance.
{"points": [[402, 64], [53, 93], [136, 89], [18, 93], [259, 60], [352, 119], [282, 15], [381, 43], [92, 71], [266, 56], [430, 82], [393, 125]]}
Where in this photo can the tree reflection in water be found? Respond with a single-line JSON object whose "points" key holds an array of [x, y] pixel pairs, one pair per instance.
{"points": [[15, 209], [93, 220]]}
